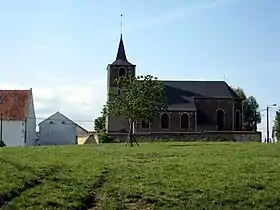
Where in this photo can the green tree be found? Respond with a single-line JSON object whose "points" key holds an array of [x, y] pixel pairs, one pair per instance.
{"points": [[277, 125], [251, 113], [239, 91], [140, 98], [100, 122]]}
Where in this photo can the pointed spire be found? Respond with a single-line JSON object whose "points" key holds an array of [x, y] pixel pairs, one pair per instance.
{"points": [[121, 51], [121, 56]]}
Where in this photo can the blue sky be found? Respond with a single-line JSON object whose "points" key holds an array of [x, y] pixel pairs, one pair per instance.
{"points": [[61, 48]]}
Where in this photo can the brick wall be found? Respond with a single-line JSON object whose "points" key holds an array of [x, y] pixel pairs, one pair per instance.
{"points": [[206, 118]]}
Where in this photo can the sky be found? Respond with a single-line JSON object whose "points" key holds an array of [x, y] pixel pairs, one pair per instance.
{"points": [[60, 48]]}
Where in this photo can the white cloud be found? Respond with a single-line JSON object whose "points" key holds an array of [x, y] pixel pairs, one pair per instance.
{"points": [[49, 77], [81, 102], [12, 86]]}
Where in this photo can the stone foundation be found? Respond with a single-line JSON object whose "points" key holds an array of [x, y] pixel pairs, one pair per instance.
{"points": [[215, 136]]}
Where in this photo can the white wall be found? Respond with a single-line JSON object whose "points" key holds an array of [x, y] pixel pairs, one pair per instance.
{"points": [[57, 133], [13, 133], [31, 124], [80, 131]]}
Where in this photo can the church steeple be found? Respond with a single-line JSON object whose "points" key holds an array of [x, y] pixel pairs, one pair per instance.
{"points": [[121, 55], [121, 51], [121, 67]]}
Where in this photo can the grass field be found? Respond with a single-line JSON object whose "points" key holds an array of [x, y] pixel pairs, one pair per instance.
{"points": [[153, 176]]}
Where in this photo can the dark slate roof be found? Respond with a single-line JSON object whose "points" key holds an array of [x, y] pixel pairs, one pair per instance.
{"points": [[185, 103], [181, 94], [121, 56]]}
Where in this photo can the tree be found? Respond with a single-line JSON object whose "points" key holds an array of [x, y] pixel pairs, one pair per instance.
{"points": [[100, 126], [140, 98], [277, 125], [251, 113], [239, 91], [100, 122], [2, 144]]}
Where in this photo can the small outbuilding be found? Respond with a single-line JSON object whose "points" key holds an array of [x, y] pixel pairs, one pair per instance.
{"points": [[59, 130]]}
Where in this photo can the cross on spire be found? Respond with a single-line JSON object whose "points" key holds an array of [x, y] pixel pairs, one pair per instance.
{"points": [[121, 55], [121, 24]]}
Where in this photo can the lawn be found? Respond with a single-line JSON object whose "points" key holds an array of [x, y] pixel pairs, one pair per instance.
{"points": [[153, 176]]}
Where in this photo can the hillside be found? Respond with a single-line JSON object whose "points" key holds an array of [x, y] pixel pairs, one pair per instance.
{"points": [[153, 176]]}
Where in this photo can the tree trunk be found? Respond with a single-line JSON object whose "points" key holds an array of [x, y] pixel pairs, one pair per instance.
{"points": [[130, 134]]}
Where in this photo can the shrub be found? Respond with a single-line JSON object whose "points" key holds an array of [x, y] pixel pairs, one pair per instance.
{"points": [[100, 122], [104, 138], [2, 144]]}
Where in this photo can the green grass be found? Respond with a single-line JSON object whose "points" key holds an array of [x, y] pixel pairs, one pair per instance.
{"points": [[153, 176]]}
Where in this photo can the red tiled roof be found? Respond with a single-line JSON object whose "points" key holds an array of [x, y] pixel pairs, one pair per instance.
{"points": [[14, 104]]}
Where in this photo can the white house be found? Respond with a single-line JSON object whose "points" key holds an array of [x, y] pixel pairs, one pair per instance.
{"points": [[17, 118], [59, 130]]}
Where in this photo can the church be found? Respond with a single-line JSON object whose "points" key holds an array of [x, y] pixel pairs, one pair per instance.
{"points": [[193, 106]]}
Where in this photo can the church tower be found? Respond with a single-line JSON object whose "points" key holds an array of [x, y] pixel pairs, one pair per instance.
{"points": [[120, 67]]}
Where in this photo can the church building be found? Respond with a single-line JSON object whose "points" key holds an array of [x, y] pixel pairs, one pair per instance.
{"points": [[193, 106]]}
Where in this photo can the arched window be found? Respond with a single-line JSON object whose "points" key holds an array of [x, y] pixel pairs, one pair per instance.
{"points": [[185, 121], [164, 121], [121, 72], [145, 124], [237, 119], [220, 117]]}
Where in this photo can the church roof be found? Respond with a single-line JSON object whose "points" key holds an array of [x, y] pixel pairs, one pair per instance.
{"points": [[121, 55], [182, 93]]}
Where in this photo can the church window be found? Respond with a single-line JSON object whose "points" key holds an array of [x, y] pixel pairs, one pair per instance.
{"points": [[220, 117], [1, 99], [237, 119], [185, 121], [164, 121], [122, 72]]}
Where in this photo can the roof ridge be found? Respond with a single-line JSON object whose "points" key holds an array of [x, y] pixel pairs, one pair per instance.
{"points": [[67, 118], [15, 89], [208, 88]]}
